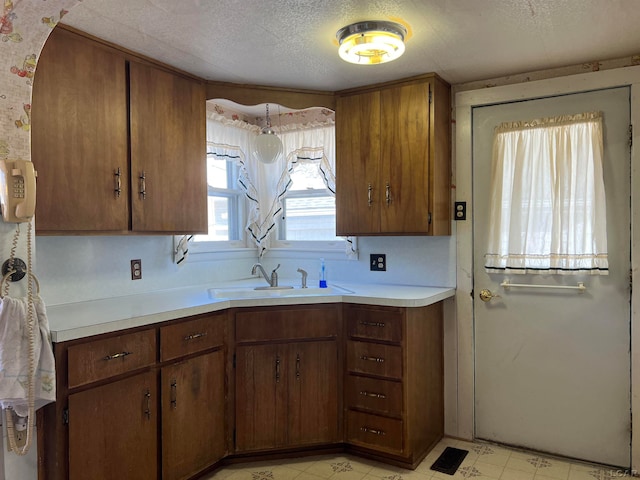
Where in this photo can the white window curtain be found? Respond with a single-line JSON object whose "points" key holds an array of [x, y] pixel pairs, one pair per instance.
{"points": [[266, 184], [548, 208]]}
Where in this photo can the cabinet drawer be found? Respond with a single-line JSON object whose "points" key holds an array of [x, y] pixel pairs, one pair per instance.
{"points": [[381, 396], [192, 336], [100, 359], [382, 325], [287, 324], [374, 431], [375, 359]]}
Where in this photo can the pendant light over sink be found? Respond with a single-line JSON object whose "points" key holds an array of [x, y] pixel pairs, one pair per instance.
{"points": [[267, 146], [371, 42]]}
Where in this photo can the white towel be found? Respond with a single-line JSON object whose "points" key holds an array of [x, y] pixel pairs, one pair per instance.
{"points": [[14, 356]]}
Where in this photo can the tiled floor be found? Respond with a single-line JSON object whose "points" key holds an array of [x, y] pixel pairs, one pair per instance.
{"points": [[483, 462]]}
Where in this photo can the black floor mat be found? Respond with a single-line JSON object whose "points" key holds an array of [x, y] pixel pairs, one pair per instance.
{"points": [[449, 461]]}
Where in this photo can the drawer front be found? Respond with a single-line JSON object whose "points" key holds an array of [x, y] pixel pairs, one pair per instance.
{"points": [[192, 336], [375, 324], [374, 359], [288, 324], [374, 431], [100, 359], [380, 396]]}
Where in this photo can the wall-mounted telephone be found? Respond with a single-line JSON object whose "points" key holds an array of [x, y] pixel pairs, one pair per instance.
{"points": [[17, 190]]}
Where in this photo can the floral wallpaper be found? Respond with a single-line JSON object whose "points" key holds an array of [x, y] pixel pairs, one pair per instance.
{"points": [[24, 27]]}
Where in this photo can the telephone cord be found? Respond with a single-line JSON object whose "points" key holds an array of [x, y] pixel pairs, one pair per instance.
{"points": [[32, 331]]}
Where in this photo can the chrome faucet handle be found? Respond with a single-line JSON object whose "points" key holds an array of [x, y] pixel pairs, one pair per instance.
{"points": [[304, 277], [274, 277]]}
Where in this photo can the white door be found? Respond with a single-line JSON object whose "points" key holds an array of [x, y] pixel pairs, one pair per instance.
{"points": [[552, 366]]}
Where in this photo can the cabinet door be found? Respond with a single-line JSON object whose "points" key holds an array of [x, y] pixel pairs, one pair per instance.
{"points": [[113, 430], [261, 398], [168, 149], [79, 136], [358, 190], [313, 393], [404, 173], [193, 407]]}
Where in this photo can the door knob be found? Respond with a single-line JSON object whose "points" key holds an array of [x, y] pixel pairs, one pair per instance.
{"points": [[486, 295]]}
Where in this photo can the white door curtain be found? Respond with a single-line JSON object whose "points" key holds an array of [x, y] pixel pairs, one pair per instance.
{"points": [[548, 207]]}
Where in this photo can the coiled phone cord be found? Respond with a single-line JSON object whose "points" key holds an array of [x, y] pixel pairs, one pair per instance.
{"points": [[32, 330]]}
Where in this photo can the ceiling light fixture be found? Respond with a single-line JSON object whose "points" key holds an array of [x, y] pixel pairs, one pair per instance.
{"points": [[266, 145], [371, 42]]}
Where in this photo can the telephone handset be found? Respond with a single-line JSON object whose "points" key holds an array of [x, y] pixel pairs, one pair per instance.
{"points": [[17, 190]]}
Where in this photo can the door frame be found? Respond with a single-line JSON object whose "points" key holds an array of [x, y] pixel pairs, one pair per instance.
{"points": [[459, 393]]}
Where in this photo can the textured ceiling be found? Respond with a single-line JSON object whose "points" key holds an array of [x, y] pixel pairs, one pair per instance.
{"points": [[291, 43]]}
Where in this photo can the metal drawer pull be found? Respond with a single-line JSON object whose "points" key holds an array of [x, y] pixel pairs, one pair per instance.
{"points": [[147, 411], [372, 359], [117, 355], [372, 430], [277, 369], [372, 324], [369, 192], [388, 195], [373, 395], [118, 189], [194, 336], [174, 394], [297, 366], [143, 185]]}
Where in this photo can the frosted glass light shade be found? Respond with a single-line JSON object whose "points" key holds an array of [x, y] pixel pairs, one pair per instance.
{"points": [[267, 147], [370, 43]]}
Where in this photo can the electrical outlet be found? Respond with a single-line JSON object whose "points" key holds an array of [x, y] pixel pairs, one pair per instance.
{"points": [[136, 269], [460, 211], [378, 262]]}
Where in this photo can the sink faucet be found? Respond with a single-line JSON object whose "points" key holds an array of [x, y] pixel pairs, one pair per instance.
{"points": [[273, 281], [304, 277]]}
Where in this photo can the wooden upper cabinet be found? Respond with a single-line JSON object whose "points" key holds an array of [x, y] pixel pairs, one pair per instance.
{"points": [[101, 121], [393, 159], [358, 164], [79, 136], [168, 151]]}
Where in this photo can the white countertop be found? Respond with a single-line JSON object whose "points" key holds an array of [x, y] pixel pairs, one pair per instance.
{"points": [[77, 320]]}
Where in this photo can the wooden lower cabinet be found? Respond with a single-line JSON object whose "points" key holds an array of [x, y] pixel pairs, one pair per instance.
{"points": [[287, 390], [113, 430], [193, 415], [171, 401], [394, 381], [286, 395]]}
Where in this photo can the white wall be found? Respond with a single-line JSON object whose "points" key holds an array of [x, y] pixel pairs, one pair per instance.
{"points": [[73, 269]]}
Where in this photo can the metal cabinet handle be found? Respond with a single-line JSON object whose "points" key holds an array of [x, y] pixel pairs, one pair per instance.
{"points": [[369, 195], [174, 394], [373, 431], [147, 411], [193, 336], [372, 324], [277, 368], [143, 185], [387, 194], [373, 395], [297, 366], [118, 189], [372, 359], [113, 356]]}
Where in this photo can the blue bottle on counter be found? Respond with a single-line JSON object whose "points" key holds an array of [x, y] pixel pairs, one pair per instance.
{"points": [[323, 274]]}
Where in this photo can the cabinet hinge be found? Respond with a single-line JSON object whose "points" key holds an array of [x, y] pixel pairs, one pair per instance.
{"points": [[430, 96], [429, 218], [630, 135], [65, 416]]}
